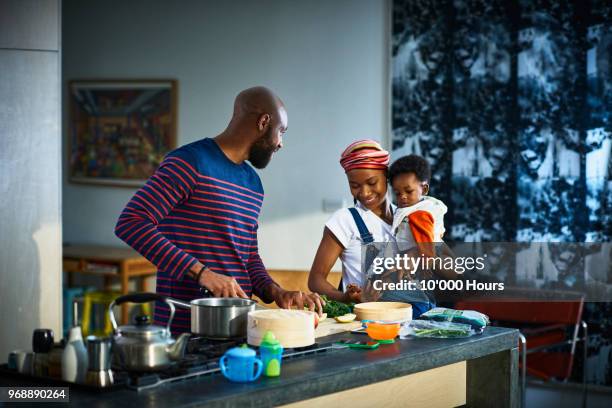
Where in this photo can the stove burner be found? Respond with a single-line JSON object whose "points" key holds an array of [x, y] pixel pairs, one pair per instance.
{"points": [[211, 348]]}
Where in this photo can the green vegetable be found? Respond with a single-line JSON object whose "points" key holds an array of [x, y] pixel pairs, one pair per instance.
{"points": [[440, 333], [429, 328], [334, 308]]}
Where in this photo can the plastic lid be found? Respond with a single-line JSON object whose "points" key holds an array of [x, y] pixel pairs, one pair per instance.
{"points": [[269, 340], [241, 352]]}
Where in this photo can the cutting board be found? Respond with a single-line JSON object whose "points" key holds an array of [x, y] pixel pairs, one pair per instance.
{"points": [[331, 326]]}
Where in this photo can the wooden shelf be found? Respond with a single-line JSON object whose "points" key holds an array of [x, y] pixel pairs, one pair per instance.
{"points": [[78, 259]]}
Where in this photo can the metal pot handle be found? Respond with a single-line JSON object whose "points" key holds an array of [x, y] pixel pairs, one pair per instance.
{"points": [[178, 303], [139, 298]]}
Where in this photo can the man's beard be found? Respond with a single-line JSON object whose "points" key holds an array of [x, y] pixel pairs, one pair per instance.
{"points": [[261, 151]]}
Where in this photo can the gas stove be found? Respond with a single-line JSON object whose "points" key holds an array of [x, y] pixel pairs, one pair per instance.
{"points": [[201, 359]]}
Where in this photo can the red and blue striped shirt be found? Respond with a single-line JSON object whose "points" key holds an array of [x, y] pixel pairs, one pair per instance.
{"points": [[198, 206]]}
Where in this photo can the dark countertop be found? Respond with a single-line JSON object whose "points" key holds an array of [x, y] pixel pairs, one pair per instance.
{"points": [[307, 377]]}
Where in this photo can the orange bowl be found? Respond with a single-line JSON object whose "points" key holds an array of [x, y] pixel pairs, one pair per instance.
{"points": [[383, 331]]}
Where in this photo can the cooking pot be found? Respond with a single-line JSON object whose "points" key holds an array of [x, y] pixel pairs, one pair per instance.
{"points": [[142, 346], [218, 318]]}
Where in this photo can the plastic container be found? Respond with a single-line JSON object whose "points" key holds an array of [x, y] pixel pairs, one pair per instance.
{"points": [[383, 332], [239, 364], [271, 355], [441, 330], [478, 321]]}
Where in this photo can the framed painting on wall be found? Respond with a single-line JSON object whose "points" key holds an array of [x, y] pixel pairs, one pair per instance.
{"points": [[120, 130]]}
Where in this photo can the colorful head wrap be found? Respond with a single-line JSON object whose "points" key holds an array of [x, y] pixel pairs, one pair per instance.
{"points": [[364, 154]]}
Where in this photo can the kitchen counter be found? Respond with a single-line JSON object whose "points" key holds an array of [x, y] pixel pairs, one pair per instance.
{"points": [[487, 367]]}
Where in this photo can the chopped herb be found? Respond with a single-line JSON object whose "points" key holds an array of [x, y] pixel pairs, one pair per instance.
{"points": [[334, 308]]}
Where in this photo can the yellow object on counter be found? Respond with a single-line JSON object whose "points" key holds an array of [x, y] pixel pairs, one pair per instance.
{"points": [[103, 299], [347, 318]]}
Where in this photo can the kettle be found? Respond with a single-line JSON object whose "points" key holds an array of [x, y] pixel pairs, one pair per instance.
{"points": [[144, 347]]}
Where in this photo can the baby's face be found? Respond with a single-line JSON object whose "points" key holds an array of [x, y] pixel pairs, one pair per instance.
{"points": [[408, 189]]}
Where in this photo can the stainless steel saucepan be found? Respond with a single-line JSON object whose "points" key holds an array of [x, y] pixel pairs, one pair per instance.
{"points": [[218, 318]]}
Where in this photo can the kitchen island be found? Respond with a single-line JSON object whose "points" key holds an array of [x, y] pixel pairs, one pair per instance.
{"points": [[477, 371]]}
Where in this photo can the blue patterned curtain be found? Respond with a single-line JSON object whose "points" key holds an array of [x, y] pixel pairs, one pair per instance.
{"points": [[510, 101]]}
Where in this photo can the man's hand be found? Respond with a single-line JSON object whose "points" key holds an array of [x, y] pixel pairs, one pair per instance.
{"points": [[221, 285], [286, 299]]}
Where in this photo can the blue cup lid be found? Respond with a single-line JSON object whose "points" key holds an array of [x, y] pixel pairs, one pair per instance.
{"points": [[241, 352]]}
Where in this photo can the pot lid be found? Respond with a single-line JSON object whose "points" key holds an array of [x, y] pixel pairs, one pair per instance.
{"points": [[240, 352], [142, 328]]}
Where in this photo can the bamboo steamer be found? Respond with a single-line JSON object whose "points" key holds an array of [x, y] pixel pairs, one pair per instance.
{"points": [[385, 311], [292, 328]]}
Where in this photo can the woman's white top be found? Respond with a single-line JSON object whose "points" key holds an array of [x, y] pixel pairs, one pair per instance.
{"points": [[343, 226]]}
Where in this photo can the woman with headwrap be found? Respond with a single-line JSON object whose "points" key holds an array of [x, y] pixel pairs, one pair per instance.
{"points": [[365, 163]]}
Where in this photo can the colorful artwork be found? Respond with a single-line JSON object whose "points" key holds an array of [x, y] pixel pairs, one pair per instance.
{"points": [[120, 130]]}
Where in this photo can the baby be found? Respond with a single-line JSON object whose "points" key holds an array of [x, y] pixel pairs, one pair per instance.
{"points": [[419, 219], [418, 223]]}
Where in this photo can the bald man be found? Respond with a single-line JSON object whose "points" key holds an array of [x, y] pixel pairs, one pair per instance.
{"points": [[196, 218]]}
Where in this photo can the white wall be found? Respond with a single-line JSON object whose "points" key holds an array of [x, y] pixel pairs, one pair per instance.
{"points": [[30, 182], [326, 59]]}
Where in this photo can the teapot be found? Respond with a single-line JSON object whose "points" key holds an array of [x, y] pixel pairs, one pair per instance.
{"points": [[144, 347]]}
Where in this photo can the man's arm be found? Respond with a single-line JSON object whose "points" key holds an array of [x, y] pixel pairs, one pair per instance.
{"points": [[171, 184]]}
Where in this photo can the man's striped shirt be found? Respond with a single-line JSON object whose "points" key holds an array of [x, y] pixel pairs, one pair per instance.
{"points": [[198, 205]]}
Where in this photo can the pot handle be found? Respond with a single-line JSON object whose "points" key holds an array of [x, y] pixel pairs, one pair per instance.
{"points": [[139, 298], [178, 303]]}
